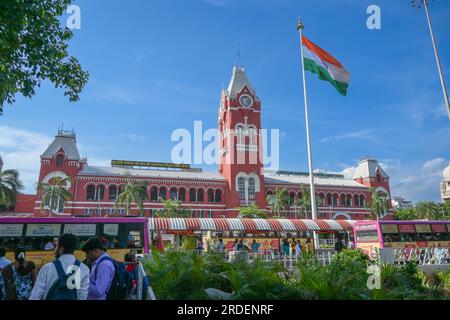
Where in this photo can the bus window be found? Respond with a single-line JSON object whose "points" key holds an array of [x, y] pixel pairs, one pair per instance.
{"points": [[391, 237], [366, 235], [10, 243]]}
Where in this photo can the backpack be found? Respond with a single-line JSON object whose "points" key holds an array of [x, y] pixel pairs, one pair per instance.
{"points": [[2, 286], [59, 290], [23, 284], [121, 283]]}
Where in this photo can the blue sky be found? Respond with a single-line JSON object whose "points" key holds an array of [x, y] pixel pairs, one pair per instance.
{"points": [[160, 65]]}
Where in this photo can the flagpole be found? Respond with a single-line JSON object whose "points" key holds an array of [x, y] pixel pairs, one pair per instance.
{"points": [[300, 27], [438, 62]]}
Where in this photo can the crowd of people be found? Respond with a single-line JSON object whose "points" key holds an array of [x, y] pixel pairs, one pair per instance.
{"points": [[98, 277]]}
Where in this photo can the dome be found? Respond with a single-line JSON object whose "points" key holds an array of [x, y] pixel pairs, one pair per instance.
{"points": [[446, 173]]}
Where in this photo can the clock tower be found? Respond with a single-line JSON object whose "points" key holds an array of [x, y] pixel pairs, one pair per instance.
{"points": [[240, 147]]}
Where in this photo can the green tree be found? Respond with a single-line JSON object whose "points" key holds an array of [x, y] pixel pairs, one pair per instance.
{"points": [[305, 201], [173, 209], [252, 212], [132, 192], [405, 214], [428, 210], [10, 186], [33, 48], [279, 201], [378, 204], [54, 193]]}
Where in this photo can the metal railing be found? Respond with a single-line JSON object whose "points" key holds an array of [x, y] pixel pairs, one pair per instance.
{"points": [[423, 256], [289, 261]]}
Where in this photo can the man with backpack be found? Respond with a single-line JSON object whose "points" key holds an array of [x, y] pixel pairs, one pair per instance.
{"points": [[65, 278], [108, 279]]}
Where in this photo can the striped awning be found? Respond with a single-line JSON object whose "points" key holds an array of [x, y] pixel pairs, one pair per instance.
{"points": [[222, 224]]}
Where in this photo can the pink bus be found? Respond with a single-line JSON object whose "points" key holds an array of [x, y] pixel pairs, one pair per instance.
{"points": [[38, 235], [401, 234]]}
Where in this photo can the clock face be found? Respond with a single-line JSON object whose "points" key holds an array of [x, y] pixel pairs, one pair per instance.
{"points": [[246, 101]]}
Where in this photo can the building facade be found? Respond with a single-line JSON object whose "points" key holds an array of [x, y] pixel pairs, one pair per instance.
{"points": [[239, 181]]}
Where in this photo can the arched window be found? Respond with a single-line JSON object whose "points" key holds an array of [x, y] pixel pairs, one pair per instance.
{"points": [[343, 203], [251, 188], [291, 198], [182, 195], [240, 134], [100, 192], [241, 187], [335, 200], [210, 195], [192, 195], [253, 136], [378, 176], [90, 193], [349, 200], [59, 160], [269, 193], [154, 194], [162, 193], [218, 197], [121, 188], [112, 193], [362, 201], [321, 200], [329, 199], [173, 194], [356, 200], [200, 195]]}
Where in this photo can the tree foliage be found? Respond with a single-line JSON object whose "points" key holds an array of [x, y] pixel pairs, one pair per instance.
{"points": [[53, 191], [252, 212], [173, 209], [279, 201], [10, 186], [34, 47], [132, 192], [427, 210]]}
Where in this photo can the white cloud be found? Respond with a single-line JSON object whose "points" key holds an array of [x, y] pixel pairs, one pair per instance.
{"points": [[21, 150], [348, 172], [434, 165], [419, 182], [135, 137], [362, 135]]}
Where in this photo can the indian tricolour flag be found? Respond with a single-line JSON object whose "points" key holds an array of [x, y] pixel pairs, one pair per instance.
{"points": [[323, 64]]}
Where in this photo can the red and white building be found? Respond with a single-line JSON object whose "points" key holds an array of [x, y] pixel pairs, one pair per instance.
{"points": [[207, 194]]}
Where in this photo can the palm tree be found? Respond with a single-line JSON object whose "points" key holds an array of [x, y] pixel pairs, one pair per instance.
{"points": [[305, 201], [279, 202], [10, 185], [132, 192], [378, 204], [252, 212], [54, 193], [173, 209]]}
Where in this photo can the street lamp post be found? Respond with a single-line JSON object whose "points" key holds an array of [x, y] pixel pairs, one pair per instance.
{"points": [[433, 41]]}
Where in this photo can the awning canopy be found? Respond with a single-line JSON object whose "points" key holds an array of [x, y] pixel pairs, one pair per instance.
{"points": [[222, 224]]}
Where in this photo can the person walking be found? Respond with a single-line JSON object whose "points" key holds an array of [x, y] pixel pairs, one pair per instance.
{"points": [[19, 277], [255, 246], [199, 246], [235, 245], [286, 247], [298, 249], [3, 260], [3, 263], [338, 246], [221, 247], [52, 282], [102, 269]]}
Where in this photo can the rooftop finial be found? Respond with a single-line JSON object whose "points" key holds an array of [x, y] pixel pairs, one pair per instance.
{"points": [[300, 25]]}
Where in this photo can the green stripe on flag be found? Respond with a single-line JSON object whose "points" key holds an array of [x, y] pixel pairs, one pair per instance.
{"points": [[323, 74]]}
